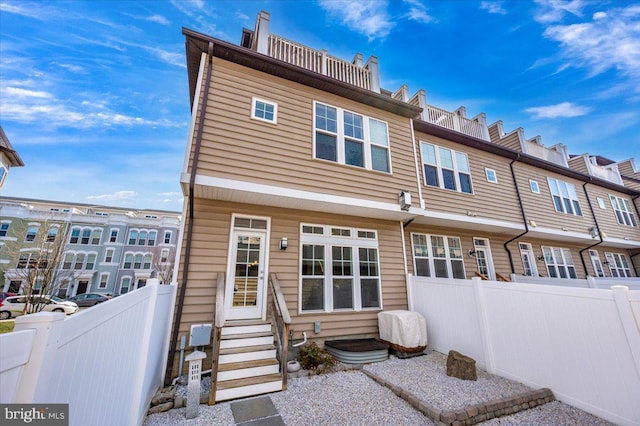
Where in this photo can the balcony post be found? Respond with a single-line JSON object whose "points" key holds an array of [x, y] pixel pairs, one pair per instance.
{"points": [[324, 61], [374, 77], [262, 32]]}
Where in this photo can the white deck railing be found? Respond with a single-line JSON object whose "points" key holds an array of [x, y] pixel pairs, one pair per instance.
{"points": [[318, 61], [454, 121], [554, 154]]}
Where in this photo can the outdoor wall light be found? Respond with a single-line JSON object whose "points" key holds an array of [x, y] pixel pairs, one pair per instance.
{"points": [[284, 243], [472, 253], [541, 257]]}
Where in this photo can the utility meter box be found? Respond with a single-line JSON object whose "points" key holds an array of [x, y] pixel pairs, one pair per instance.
{"points": [[200, 335]]}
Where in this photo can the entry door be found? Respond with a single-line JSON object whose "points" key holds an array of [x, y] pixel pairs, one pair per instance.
{"points": [[483, 258], [82, 287], [597, 264], [528, 260], [244, 291]]}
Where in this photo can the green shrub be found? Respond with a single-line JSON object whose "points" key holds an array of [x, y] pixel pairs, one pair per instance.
{"points": [[316, 359]]}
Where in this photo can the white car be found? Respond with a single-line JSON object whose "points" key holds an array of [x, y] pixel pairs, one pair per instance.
{"points": [[14, 305]]}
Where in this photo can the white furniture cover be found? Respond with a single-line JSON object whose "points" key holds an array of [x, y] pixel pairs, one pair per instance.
{"points": [[404, 328]]}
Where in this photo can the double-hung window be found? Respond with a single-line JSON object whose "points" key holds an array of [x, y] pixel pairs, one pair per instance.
{"points": [[339, 269], [113, 237], [31, 234], [349, 138], [559, 262], [445, 168], [437, 256], [624, 213], [618, 265], [565, 198], [4, 228]]}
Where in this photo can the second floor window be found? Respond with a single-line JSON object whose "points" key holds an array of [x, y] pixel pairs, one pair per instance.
{"points": [[264, 110], [31, 234], [167, 237], [4, 228], [113, 237], [85, 236], [622, 208], [445, 168], [137, 261], [108, 257], [52, 234], [142, 237], [352, 139], [565, 198]]}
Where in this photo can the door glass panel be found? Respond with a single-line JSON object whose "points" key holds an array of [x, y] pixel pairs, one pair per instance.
{"points": [[247, 271], [481, 257]]}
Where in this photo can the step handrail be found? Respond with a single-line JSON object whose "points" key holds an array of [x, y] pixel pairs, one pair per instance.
{"points": [[281, 322], [217, 333]]}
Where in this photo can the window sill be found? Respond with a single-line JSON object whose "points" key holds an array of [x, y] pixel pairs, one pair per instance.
{"points": [[352, 167]]}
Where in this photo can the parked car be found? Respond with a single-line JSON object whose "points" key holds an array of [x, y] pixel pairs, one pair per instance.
{"points": [[14, 305], [89, 299], [4, 295]]}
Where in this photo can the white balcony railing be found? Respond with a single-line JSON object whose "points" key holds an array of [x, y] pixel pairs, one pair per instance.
{"points": [[455, 121], [555, 154], [318, 61], [609, 172]]}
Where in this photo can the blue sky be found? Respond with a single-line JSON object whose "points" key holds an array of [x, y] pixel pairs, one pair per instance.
{"points": [[94, 94]]}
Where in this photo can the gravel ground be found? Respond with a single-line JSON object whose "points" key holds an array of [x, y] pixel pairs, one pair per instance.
{"points": [[425, 377], [351, 398]]}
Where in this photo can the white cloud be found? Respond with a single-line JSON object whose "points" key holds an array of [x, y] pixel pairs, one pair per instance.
{"points": [[367, 17], [418, 12], [611, 40], [73, 68], [564, 109], [116, 196], [24, 93], [158, 19], [494, 7], [554, 10]]}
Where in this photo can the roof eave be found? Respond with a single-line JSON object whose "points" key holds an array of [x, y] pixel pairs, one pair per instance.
{"points": [[197, 43]]}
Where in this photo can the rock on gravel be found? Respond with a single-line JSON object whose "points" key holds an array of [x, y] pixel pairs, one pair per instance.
{"points": [[426, 378]]}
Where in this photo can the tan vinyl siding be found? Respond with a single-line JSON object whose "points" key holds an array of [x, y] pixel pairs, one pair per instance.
{"points": [[209, 255], [236, 147], [511, 141], [496, 201], [494, 133], [626, 169], [606, 217], [579, 164], [540, 207], [602, 249]]}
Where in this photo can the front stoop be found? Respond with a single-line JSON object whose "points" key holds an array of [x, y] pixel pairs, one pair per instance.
{"points": [[472, 414], [247, 364]]}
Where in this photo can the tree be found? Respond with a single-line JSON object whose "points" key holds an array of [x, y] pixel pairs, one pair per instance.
{"points": [[163, 263], [40, 264]]}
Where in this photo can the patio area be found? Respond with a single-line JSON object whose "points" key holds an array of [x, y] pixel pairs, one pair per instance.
{"points": [[396, 391]]}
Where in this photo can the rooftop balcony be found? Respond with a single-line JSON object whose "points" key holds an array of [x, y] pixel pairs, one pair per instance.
{"points": [[556, 154], [355, 72], [589, 164]]}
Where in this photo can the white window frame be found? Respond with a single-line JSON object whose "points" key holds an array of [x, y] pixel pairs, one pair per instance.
{"points": [[104, 275], [598, 268], [254, 103], [455, 155], [165, 238], [491, 175], [601, 203], [28, 234], [560, 259], [619, 266], [129, 287], [4, 228], [534, 186], [341, 138], [527, 249], [431, 258], [623, 211], [328, 241], [109, 254], [111, 236], [566, 193]]}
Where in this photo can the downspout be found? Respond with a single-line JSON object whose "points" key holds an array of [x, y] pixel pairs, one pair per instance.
{"points": [[524, 216], [584, 264], [187, 254], [631, 256]]}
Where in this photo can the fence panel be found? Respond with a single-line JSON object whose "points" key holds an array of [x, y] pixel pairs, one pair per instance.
{"points": [[584, 344], [105, 362], [15, 349]]}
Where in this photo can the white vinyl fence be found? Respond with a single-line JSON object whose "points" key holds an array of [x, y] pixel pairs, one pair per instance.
{"points": [[582, 343], [589, 282], [106, 362]]}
